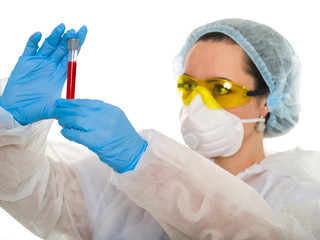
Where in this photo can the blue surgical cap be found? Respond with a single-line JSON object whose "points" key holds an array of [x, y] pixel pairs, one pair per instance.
{"points": [[276, 60]]}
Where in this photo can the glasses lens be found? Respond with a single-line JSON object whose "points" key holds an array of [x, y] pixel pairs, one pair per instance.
{"points": [[186, 86], [226, 93]]}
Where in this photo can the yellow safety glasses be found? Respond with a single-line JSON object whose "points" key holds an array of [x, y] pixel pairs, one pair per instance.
{"points": [[216, 93]]}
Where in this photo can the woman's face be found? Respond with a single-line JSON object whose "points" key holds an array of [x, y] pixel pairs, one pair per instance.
{"points": [[208, 59]]}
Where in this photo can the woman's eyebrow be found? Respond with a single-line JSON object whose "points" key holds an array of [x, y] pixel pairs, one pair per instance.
{"points": [[209, 78]]}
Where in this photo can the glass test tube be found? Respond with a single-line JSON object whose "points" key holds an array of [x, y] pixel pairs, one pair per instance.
{"points": [[73, 47]]}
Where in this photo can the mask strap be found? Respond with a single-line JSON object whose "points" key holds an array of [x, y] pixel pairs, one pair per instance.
{"points": [[253, 120], [260, 123]]}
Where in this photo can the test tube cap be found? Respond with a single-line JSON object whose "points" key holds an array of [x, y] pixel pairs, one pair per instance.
{"points": [[73, 44]]}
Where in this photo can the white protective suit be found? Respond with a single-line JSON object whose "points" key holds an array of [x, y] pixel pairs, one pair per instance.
{"points": [[62, 191]]}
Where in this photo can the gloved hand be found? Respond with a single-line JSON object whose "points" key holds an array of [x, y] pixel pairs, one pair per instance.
{"points": [[39, 75], [104, 129]]}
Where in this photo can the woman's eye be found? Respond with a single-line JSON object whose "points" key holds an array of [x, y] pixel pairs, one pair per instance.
{"points": [[220, 90], [188, 86], [185, 86]]}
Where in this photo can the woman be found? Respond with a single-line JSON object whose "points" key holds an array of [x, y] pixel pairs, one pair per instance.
{"points": [[217, 57], [161, 189]]}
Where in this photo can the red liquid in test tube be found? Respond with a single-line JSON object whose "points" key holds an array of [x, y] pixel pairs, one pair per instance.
{"points": [[71, 79], [73, 47]]}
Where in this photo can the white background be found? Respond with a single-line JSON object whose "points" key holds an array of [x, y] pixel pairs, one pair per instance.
{"points": [[127, 57]]}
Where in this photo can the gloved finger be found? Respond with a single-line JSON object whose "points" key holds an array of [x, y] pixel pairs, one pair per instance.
{"points": [[70, 103], [74, 122], [76, 136], [48, 111], [62, 112], [76, 107], [62, 49], [32, 44], [81, 35], [50, 43]]}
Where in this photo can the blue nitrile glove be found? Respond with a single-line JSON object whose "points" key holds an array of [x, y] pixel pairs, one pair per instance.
{"points": [[39, 75], [104, 129]]}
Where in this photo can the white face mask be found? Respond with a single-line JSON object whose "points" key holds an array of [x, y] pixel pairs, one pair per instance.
{"points": [[212, 132]]}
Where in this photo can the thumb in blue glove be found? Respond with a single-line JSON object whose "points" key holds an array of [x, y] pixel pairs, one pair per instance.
{"points": [[104, 129], [39, 75]]}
